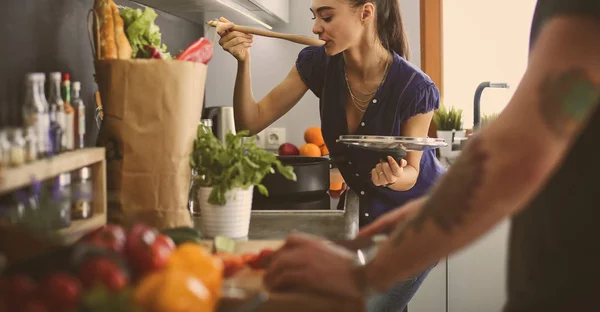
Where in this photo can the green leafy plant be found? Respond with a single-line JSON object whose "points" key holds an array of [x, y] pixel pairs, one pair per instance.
{"points": [[487, 119], [236, 163], [447, 120]]}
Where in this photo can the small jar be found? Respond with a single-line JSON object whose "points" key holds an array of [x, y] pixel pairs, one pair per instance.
{"points": [[31, 153], [17, 148], [4, 149], [82, 190], [62, 196]]}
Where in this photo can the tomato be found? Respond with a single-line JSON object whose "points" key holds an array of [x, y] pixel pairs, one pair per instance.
{"points": [[147, 250], [60, 292], [104, 271], [110, 236]]}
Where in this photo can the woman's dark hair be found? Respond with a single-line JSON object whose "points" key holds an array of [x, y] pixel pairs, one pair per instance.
{"points": [[390, 27]]}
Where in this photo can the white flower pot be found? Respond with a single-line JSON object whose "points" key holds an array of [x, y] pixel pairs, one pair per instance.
{"points": [[448, 136], [230, 220]]}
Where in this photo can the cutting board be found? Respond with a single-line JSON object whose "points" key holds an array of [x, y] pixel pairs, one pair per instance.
{"points": [[252, 282]]}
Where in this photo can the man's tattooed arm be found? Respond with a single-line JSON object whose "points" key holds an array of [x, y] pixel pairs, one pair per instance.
{"points": [[507, 163]]}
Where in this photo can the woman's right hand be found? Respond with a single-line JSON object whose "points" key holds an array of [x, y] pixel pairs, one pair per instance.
{"points": [[234, 42]]}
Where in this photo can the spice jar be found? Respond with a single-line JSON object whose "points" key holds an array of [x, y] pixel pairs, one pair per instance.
{"points": [[62, 197], [17, 148], [31, 153], [82, 189], [4, 149]]}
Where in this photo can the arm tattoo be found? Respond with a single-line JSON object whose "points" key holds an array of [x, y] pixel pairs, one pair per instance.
{"points": [[566, 99], [452, 198]]}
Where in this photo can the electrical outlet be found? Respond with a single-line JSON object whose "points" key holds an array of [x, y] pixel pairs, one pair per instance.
{"points": [[274, 137], [261, 140]]}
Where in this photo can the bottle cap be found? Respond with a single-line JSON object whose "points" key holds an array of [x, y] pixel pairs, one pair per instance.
{"points": [[66, 76], [76, 85]]}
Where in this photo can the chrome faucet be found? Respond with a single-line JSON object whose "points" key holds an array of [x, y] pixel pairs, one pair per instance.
{"points": [[478, 92]]}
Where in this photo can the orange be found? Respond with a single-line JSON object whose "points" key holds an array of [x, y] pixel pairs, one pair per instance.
{"points": [[310, 149], [335, 186], [313, 135], [324, 150]]}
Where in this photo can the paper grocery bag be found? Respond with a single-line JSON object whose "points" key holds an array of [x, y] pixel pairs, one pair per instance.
{"points": [[151, 113]]}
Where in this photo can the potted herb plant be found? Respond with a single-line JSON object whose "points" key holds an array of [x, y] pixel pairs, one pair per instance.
{"points": [[449, 126], [226, 174]]}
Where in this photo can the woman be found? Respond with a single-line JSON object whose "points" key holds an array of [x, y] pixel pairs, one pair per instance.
{"points": [[365, 86]]}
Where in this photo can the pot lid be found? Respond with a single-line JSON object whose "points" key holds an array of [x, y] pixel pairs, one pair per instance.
{"points": [[392, 142]]}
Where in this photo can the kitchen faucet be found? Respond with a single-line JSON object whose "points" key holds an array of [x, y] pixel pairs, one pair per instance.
{"points": [[476, 106]]}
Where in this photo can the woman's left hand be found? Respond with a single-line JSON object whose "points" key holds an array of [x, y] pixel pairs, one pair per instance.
{"points": [[387, 173]]}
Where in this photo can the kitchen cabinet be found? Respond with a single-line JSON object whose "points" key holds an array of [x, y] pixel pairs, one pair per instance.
{"points": [[245, 12], [432, 295], [477, 274]]}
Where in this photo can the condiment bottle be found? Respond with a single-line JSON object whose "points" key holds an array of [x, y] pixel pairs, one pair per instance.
{"points": [[79, 108], [17, 148], [31, 147], [69, 130], [35, 111], [58, 119]]}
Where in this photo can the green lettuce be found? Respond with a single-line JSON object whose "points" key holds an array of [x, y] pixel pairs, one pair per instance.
{"points": [[142, 31]]}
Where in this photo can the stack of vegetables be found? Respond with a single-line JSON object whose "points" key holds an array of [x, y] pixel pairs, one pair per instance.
{"points": [[118, 270]]}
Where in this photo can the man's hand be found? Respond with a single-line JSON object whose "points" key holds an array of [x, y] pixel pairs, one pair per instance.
{"points": [[307, 263], [390, 220]]}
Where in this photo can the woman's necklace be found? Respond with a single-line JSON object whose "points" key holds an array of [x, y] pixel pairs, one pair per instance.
{"points": [[362, 104]]}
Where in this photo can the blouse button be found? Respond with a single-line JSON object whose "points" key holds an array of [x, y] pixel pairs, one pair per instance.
{"points": [[362, 192], [374, 101], [357, 175], [362, 124], [366, 214], [349, 163]]}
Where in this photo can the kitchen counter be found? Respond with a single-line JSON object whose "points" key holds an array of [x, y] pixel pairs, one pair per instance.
{"points": [[329, 223]]}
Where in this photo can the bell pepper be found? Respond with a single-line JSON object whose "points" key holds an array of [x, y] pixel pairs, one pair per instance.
{"points": [[200, 51], [173, 290], [147, 250], [196, 260]]}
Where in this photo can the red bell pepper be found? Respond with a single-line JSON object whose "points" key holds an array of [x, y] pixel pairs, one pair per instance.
{"points": [[200, 51]]}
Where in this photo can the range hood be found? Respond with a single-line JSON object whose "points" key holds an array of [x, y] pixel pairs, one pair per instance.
{"points": [[243, 12]]}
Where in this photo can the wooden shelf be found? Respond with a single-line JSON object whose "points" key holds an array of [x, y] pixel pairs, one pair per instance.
{"points": [[79, 228], [12, 179]]}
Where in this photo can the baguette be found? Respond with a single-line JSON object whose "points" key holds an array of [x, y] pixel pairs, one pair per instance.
{"points": [[123, 47], [108, 46]]}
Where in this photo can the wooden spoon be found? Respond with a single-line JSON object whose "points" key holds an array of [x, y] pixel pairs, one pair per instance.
{"points": [[267, 33]]}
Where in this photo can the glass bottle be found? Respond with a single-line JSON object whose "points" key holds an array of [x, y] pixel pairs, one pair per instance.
{"points": [[17, 148], [62, 198], [4, 149], [31, 147], [82, 190], [69, 131], [35, 113], [79, 108], [57, 112]]}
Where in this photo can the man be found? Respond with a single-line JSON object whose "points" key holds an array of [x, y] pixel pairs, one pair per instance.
{"points": [[543, 141]]}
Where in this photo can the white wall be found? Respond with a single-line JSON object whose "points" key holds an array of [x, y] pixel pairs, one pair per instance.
{"points": [[484, 41], [272, 59]]}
